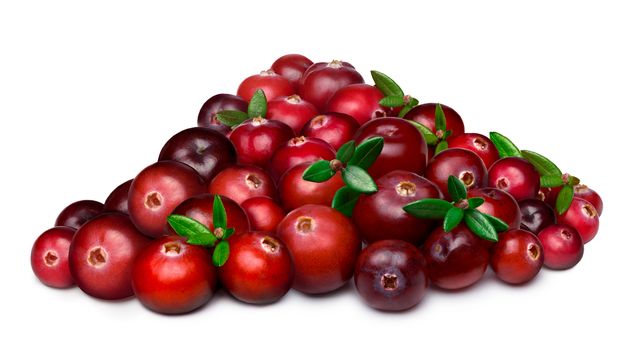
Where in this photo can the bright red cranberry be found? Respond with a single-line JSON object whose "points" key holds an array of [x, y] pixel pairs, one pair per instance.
{"points": [[157, 190], [461, 163], [334, 128], [477, 143], [296, 151], [173, 277], [563, 246], [321, 80], [455, 259], [218, 103], [102, 254], [391, 275], [426, 114], [77, 213], [358, 100], [201, 208], [404, 147], [292, 67], [272, 84], [582, 191], [515, 176], [517, 257], [259, 269], [583, 217], [535, 215], [295, 192], [241, 182], [498, 204], [49, 257], [264, 214], [324, 245], [257, 139], [381, 216], [117, 199], [291, 110]]}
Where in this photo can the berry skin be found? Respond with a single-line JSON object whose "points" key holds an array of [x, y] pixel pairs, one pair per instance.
{"points": [[295, 192], [264, 214], [218, 103], [117, 199], [77, 213], [272, 84], [256, 139], [467, 166], [563, 246], [49, 257], [291, 110], [499, 204], [359, 101], [321, 80], [296, 151], [515, 176], [582, 191], [334, 128], [426, 114], [241, 182], [477, 143], [517, 257], [292, 67], [536, 215], [583, 217]]}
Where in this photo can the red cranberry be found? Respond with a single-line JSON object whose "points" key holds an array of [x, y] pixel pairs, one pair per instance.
{"points": [[334, 128], [548, 195], [102, 254], [455, 259], [324, 245], [201, 208], [295, 192], [358, 100], [425, 114], [391, 275], [563, 246], [517, 257], [299, 150], [157, 190], [259, 269], [272, 84], [515, 176], [498, 204], [583, 217], [173, 277], [49, 257], [117, 199], [257, 139], [218, 103], [321, 80], [380, 216], [264, 214], [582, 191], [292, 67], [77, 213], [291, 110], [477, 143], [535, 215], [461, 163], [404, 147], [241, 182]]}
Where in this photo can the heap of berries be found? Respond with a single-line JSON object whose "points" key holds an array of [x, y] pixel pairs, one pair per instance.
{"points": [[309, 177]]}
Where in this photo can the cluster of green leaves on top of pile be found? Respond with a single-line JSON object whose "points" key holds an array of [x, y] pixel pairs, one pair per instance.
{"points": [[257, 107]]}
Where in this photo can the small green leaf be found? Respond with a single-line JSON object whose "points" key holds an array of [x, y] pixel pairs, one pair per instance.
{"points": [[346, 151], [564, 199], [542, 164], [196, 232], [219, 216], [345, 199], [475, 202], [385, 84], [405, 111], [440, 123], [456, 189], [479, 225], [228, 233], [453, 217], [319, 171], [258, 105], [412, 102], [358, 179], [443, 145], [428, 135], [550, 181], [505, 147], [221, 253], [366, 153], [429, 208], [392, 101], [574, 181], [231, 118], [498, 224]]}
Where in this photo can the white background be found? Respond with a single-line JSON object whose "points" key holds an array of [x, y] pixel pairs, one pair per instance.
{"points": [[89, 94]]}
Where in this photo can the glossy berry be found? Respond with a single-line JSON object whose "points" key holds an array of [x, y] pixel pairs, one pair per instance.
{"points": [[582, 191], [272, 84], [321, 80], [583, 217], [499, 204], [517, 257], [295, 192], [291, 110], [292, 67], [241, 182], [477, 143], [201, 208], [77, 213], [264, 213], [461, 163], [334, 128], [359, 101], [218, 103], [563, 246], [117, 199], [49, 257], [296, 151], [256, 139], [536, 215], [515, 176], [425, 114]]}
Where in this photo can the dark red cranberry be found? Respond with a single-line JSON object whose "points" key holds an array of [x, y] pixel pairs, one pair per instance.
{"points": [[259, 269], [157, 190], [173, 277], [426, 114], [477, 143], [102, 255], [334, 128], [461, 163], [201, 208], [272, 84], [296, 151], [264, 214], [205, 150], [295, 192], [582, 191], [77, 213], [291, 110], [535, 215], [583, 217], [292, 67], [321, 80], [404, 147], [49, 257], [455, 259], [391, 275], [257, 139], [241, 182], [515, 176], [117, 199], [381, 216], [517, 257], [499, 204], [324, 245], [359, 101], [563, 246], [218, 103]]}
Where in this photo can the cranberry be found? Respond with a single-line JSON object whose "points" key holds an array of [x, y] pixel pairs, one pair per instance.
{"points": [[404, 147], [334, 128], [49, 257], [292, 67], [535, 215], [157, 190], [380, 215], [321, 80], [517, 257], [205, 150], [259, 269], [582, 191], [258, 138], [461, 163], [173, 277], [515, 176], [425, 114], [455, 259], [77, 213], [391, 275], [201, 208], [295, 192], [102, 254], [324, 245], [583, 217], [291, 110], [117, 199], [358, 100], [299, 150], [218, 103], [499, 204], [241, 182], [548, 195], [477, 143], [272, 84], [563, 246], [264, 214]]}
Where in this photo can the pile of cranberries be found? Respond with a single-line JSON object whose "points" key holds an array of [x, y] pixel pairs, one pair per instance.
{"points": [[257, 185]]}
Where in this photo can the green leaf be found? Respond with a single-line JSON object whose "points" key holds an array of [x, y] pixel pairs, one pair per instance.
{"points": [[392, 101], [453, 217], [479, 225], [319, 171], [219, 216], [231, 118], [505, 147], [440, 123], [564, 199], [475, 202], [385, 84], [366, 153], [542, 164], [443, 145], [429, 208], [228, 233], [221, 253], [550, 181], [574, 181], [412, 102], [456, 189], [196, 232], [346, 151], [498, 224], [405, 111], [429, 137], [358, 179], [258, 105], [345, 200]]}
